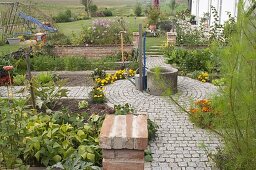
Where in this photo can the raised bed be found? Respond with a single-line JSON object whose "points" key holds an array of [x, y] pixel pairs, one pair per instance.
{"points": [[90, 51]]}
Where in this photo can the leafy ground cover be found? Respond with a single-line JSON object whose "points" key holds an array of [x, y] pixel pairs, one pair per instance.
{"points": [[7, 49], [56, 132]]}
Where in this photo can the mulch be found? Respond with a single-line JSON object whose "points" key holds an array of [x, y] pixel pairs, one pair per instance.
{"points": [[71, 105], [78, 80]]}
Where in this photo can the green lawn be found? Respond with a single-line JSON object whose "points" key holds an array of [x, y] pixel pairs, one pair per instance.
{"points": [[76, 27], [155, 41], [6, 49]]}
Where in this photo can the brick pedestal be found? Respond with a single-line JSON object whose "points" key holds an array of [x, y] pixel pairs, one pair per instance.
{"points": [[123, 139], [136, 37], [171, 38]]}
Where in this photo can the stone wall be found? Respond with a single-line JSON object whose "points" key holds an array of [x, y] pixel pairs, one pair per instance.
{"points": [[89, 51]]}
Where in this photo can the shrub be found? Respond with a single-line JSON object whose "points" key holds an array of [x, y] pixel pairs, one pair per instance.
{"points": [[138, 10], [58, 39], [107, 12], [192, 60], [103, 32], [153, 15], [63, 16], [165, 26], [237, 101], [93, 8]]}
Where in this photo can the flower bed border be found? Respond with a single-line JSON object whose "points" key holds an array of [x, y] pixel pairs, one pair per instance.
{"points": [[89, 51]]}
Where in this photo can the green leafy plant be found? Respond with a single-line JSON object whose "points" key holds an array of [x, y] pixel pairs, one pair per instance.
{"points": [[148, 155], [19, 80], [12, 122], [44, 78], [83, 104], [98, 73], [102, 32], [193, 60], [97, 95], [237, 102], [48, 92], [74, 162], [123, 109], [29, 138], [153, 14], [203, 114], [138, 10], [152, 129], [219, 82]]}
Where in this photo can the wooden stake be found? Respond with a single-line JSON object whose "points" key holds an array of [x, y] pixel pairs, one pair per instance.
{"points": [[29, 78], [122, 46]]}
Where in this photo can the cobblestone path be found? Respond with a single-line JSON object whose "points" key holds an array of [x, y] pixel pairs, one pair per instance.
{"points": [[177, 145]]}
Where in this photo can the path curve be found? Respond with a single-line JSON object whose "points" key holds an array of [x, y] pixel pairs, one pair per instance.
{"points": [[178, 141]]}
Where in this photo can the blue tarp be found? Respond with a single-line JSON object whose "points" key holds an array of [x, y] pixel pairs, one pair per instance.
{"points": [[37, 22]]}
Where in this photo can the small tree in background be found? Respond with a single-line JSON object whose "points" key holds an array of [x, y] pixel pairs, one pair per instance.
{"points": [[87, 4], [172, 6], [138, 9]]}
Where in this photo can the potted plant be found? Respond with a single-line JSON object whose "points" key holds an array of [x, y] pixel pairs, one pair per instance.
{"points": [[153, 16]]}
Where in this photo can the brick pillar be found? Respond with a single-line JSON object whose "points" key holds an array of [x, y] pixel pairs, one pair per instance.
{"points": [[123, 139], [136, 36], [171, 38]]}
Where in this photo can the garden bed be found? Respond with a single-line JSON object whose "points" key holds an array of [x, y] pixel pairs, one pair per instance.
{"points": [[71, 105], [90, 51]]}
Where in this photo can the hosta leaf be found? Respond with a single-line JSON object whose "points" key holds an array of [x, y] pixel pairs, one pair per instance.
{"points": [[91, 157], [65, 144], [81, 149], [78, 138], [55, 130], [57, 158], [37, 155], [84, 155], [45, 161], [80, 133], [87, 127], [56, 145], [89, 149], [36, 145], [68, 152], [49, 134]]}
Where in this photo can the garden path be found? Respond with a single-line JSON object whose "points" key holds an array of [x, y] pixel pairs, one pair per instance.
{"points": [[177, 145], [178, 141]]}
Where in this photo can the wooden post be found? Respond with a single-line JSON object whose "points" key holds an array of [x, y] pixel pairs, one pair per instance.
{"points": [[30, 77], [140, 57], [122, 46]]}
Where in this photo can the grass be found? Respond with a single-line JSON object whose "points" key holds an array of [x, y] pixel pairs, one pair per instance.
{"points": [[7, 49], [76, 27], [155, 41]]}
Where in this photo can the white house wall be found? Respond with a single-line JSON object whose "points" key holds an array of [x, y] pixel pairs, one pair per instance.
{"points": [[200, 7]]}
